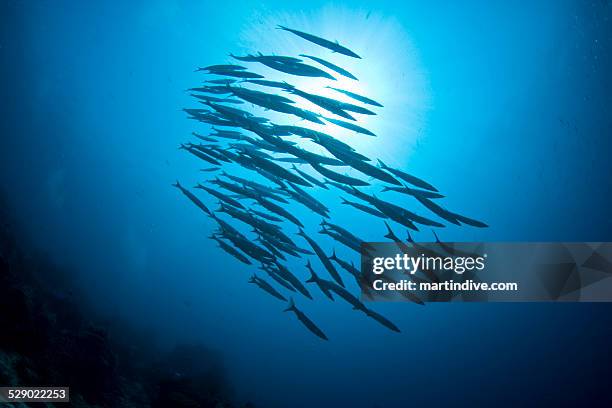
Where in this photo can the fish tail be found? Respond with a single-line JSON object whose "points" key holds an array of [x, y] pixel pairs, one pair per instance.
{"points": [[313, 277], [381, 164], [344, 200], [436, 236], [177, 184]]}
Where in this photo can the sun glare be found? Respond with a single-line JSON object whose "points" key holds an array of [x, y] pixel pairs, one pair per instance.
{"points": [[388, 72]]}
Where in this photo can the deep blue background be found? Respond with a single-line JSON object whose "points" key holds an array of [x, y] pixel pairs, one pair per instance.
{"points": [[519, 135]]}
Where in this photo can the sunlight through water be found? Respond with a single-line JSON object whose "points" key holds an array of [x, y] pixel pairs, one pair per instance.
{"points": [[389, 72]]}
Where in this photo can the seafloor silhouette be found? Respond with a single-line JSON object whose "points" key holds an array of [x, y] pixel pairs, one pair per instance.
{"points": [[46, 339]]}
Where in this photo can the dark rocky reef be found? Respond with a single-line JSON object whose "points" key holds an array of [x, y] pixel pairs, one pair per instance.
{"points": [[47, 339]]}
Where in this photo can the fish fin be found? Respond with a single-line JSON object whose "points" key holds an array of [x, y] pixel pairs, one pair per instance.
{"points": [[313, 276], [390, 233], [333, 255], [291, 305]]}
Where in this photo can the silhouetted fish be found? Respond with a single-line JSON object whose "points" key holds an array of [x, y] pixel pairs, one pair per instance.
{"points": [[349, 267], [226, 67], [340, 178], [324, 260], [271, 84], [314, 278], [366, 168], [277, 170], [343, 293], [193, 198], [309, 178], [288, 65], [334, 46], [413, 192], [232, 251], [204, 138], [415, 181], [350, 126], [261, 148], [230, 134], [357, 97], [305, 320], [401, 244], [328, 104], [200, 155], [265, 215], [266, 287], [221, 81], [274, 275], [354, 245], [220, 196], [364, 208], [270, 206], [382, 320], [238, 74], [289, 277], [331, 66], [343, 231]]}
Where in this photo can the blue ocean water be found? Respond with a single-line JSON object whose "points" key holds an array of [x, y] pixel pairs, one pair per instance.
{"points": [[508, 111]]}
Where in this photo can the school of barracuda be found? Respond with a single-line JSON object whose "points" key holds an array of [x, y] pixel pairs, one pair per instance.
{"points": [[282, 170]]}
